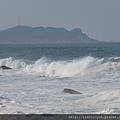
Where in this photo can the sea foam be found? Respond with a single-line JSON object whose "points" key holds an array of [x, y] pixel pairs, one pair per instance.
{"points": [[78, 67], [13, 63]]}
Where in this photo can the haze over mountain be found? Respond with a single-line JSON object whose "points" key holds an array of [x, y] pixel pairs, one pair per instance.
{"points": [[26, 34]]}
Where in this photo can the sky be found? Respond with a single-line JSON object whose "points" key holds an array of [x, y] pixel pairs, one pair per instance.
{"points": [[99, 19]]}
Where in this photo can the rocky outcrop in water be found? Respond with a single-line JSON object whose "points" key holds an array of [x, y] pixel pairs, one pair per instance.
{"points": [[5, 67], [70, 91]]}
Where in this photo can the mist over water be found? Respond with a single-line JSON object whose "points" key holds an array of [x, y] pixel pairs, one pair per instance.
{"points": [[41, 71]]}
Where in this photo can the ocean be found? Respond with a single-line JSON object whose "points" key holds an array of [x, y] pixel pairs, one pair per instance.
{"points": [[40, 72]]}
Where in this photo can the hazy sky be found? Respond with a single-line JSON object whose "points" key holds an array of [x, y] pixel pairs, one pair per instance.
{"points": [[99, 19]]}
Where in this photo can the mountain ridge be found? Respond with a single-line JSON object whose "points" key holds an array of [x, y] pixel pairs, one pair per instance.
{"points": [[26, 34]]}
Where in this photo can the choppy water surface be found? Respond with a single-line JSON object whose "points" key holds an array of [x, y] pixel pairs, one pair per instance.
{"points": [[40, 73]]}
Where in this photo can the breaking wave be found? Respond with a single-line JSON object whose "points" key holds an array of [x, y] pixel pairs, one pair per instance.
{"points": [[83, 66]]}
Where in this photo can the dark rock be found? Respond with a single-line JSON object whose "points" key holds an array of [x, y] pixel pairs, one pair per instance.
{"points": [[5, 67], [42, 76], [70, 91]]}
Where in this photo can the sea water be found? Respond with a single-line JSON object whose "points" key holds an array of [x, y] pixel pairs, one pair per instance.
{"points": [[40, 72]]}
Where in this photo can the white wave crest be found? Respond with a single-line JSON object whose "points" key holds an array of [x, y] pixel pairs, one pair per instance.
{"points": [[13, 63], [63, 68], [78, 67]]}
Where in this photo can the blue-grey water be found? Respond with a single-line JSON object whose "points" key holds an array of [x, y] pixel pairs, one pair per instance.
{"points": [[59, 51], [41, 71]]}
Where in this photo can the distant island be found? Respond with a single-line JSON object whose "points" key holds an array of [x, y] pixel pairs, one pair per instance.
{"points": [[25, 34]]}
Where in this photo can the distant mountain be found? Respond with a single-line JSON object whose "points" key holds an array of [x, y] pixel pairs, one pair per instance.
{"points": [[25, 34]]}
